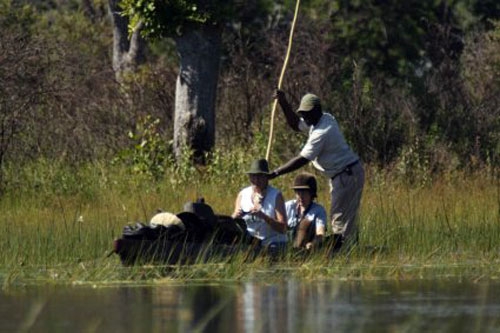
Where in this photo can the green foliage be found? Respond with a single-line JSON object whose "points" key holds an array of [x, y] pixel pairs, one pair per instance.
{"points": [[481, 74], [365, 110], [183, 171], [59, 92], [388, 35], [484, 12], [414, 165], [72, 28], [21, 75], [148, 154], [169, 18], [227, 166], [17, 15]]}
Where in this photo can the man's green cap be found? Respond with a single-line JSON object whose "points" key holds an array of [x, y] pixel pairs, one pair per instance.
{"points": [[308, 102]]}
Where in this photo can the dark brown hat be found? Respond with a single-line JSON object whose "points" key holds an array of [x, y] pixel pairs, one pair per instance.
{"points": [[305, 181]]}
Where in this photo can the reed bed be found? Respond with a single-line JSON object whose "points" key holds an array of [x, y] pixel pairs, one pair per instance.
{"points": [[449, 227]]}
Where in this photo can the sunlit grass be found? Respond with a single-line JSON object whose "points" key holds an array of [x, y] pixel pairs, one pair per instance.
{"points": [[448, 228]]}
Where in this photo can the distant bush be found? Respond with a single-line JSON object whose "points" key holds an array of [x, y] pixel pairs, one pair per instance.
{"points": [[59, 99]]}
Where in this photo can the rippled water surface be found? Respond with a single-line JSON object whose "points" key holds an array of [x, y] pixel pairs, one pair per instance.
{"points": [[290, 306]]}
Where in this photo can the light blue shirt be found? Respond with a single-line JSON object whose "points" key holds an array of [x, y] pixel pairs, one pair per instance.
{"points": [[316, 214]]}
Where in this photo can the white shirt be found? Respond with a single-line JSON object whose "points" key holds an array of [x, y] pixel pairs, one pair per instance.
{"points": [[257, 227], [326, 146]]}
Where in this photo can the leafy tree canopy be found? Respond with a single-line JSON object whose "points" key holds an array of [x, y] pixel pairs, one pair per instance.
{"points": [[388, 35], [161, 18]]}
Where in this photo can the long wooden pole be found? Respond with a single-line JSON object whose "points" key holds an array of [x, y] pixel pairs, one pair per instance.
{"points": [[283, 69]]}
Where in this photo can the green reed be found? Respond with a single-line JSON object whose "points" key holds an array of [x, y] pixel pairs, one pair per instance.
{"points": [[450, 227]]}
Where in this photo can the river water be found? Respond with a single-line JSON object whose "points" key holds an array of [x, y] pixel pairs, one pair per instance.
{"points": [[287, 306]]}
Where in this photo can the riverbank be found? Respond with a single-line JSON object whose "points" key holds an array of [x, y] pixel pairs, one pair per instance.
{"points": [[448, 226]]}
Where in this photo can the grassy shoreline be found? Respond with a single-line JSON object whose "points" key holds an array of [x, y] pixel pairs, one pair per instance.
{"points": [[449, 227]]}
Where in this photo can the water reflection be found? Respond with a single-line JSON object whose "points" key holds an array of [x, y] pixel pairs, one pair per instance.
{"points": [[289, 306]]}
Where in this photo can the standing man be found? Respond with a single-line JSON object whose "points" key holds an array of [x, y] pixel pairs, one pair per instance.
{"points": [[330, 154]]}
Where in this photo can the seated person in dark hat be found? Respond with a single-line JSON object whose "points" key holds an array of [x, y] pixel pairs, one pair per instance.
{"points": [[306, 218], [262, 207]]}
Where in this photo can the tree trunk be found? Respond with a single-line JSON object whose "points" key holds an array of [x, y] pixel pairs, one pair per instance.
{"points": [[127, 54], [196, 89]]}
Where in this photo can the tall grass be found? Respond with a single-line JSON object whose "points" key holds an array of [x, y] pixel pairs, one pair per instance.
{"points": [[62, 229]]}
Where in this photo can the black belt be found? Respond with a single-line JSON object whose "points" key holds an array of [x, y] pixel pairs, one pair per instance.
{"points": [[347, 169]]}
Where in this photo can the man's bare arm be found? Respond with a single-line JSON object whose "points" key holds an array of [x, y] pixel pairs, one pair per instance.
{"points": [[292, 118], [295, 163]]}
